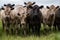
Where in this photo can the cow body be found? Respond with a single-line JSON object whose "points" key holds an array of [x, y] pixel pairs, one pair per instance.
{"points": [[57, 18]]}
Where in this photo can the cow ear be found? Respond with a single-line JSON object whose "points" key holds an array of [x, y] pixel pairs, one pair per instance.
{"points": [[33, 3], [2, 8], [25, 3], [4, 4], [47, 7], [12, 8], [24, 6], [57, 7], [41, 7], [13, 5]]}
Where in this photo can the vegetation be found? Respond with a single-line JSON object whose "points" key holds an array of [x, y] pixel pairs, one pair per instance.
{"points": [[50, 36]]}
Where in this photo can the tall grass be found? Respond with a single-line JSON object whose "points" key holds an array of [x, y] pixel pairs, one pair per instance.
{"points": [[49, 36]]}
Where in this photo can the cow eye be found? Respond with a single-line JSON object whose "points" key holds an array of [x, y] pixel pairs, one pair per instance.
{"points": [[18, 14], [22, 13], [12, 8]]}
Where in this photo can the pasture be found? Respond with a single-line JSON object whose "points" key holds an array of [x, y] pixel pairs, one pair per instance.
{"points": [[50, 36]]}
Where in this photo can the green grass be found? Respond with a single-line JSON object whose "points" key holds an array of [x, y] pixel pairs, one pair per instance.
{"points": [[49, 36], [32, 37]]}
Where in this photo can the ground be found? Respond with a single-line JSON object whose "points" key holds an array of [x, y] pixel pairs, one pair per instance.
{"points": [[49, 36]]}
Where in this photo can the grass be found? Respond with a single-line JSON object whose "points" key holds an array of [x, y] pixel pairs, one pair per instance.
{"points": [[49, 36], [32, 37]]}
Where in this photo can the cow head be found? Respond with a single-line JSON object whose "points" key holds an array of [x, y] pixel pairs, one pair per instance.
{"points": [[51, 7], [29, 3], [7, 8]]}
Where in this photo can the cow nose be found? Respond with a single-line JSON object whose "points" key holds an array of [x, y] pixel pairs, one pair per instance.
{"points": [[22, 23], [7, 17], [52, 15], [35, 15]]}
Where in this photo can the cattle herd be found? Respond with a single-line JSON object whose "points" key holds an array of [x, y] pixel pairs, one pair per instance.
{"points": [[28, 18]]}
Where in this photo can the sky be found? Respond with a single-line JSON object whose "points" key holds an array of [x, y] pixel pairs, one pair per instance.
{"points": [[38, 2]]}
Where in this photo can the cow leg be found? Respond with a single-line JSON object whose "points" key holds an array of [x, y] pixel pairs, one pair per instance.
{"points": [[3, 24], [30, 27], [54, 28], [13, 23], [39, 26], [38, 29], [33, 29], [8, 28], [15, 28], [58, 26], [44, 24], [24, 29], [49, 27], [44, 28]]}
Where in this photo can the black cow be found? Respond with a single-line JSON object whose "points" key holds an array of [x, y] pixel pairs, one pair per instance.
{"points": [[57, 18], [34, 19]]}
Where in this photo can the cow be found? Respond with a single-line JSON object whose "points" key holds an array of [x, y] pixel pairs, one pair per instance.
{"points": [[48, 14], [34, 19], [5, 16], [52, 17], [29, 6], [18, 16], [57, 18]]}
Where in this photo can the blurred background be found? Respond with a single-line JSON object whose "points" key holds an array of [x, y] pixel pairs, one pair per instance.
{"points": [[39, 2]]}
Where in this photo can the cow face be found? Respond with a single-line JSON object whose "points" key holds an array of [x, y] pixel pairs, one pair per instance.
{"points": [[22, 15]]}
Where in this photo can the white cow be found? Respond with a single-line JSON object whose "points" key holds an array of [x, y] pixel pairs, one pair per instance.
{"points": [[5, 16], [48, 15], [18, 16]]}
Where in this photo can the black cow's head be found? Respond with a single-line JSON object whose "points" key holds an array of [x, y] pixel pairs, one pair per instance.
{"points": [[29, 4]]}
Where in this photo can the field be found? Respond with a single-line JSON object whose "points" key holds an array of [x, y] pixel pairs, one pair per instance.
{"points": [[50, 36]]}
